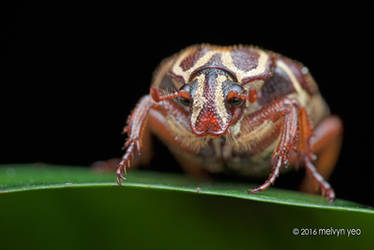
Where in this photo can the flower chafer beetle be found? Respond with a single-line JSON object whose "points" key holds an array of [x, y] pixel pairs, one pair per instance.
{"points": [[240, 109]]}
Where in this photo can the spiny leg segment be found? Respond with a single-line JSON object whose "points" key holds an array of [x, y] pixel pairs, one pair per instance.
{"points": [[135, 127], [287, 112], [295, 135]]}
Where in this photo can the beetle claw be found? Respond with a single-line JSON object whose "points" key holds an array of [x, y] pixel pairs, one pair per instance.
{"points": [[122, 168], [330, 195], [280, 161], [125, 163], [119, 174]]}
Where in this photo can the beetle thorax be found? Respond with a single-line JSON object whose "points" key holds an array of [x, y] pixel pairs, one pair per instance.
{"points": [[243, 64]]}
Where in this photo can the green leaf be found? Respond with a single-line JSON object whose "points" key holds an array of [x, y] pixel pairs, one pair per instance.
{"points": [[56, 207]]}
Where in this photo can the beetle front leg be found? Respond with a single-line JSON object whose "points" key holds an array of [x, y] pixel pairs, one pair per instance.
{"points": [[287, 141], [295, 135], [135, 130]]}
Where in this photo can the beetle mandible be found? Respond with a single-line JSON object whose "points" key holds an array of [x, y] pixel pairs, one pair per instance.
{"points": [[240, 109]]}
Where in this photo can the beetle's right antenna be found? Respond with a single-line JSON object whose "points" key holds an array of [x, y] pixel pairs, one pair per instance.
{"points": [[157, 97]]}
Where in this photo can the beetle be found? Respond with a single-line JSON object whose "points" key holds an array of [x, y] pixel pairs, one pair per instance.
{"points": [[237, 109]]}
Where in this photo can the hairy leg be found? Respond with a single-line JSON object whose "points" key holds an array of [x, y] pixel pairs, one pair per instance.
{"points": [[287, 141], [326, 143], [112, 164], [296, 136], [138, 128], [136, 125]]}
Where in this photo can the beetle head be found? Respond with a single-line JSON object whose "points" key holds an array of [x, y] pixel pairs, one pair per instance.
{"points": [[214, 101]]}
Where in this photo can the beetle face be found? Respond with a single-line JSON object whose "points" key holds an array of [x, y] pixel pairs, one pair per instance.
{"points": [[214, 101]]}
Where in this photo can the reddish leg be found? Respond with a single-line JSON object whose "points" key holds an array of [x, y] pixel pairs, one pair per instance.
{"points": [[135, 130], [326, 143], [296, 130], [146, 150], [287, 140], [306, 133], [326, 189], [136, 125]]}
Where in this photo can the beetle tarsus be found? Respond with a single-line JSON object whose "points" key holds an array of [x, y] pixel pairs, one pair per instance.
{"points": [[274, 174], [119, 173], [125, 163], [326, 189], [134, 129], [287, 142]]}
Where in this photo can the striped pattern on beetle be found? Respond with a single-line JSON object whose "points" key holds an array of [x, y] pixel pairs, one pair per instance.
{"points": [[215, 106], [211, 88]]}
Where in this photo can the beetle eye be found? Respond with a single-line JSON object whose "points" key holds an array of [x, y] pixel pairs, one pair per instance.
{"points": [[184, 101], [235, 101]]}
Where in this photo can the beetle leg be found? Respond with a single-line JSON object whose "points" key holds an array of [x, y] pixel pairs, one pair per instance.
{"points": [[296, 129], [325, 142], [135, 130], [308, 157], [326, 189], [287, 142]]}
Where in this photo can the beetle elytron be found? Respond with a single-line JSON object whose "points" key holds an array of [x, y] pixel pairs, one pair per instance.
{"points": [[239, 109]]}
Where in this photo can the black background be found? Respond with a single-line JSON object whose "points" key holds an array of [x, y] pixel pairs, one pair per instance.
{"points": [[75, 70]]}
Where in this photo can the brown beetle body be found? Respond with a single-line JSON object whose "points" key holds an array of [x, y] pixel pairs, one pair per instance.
{"points": [[237, 109]]}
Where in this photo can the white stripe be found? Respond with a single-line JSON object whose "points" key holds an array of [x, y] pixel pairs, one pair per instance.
{"points": [[302, 95], [219, 99], [198, 100], [177, 69], [240, 74]]}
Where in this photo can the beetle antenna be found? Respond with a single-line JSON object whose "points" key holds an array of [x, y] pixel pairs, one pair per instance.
{"points": [[157, 97], [251, 96]]}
